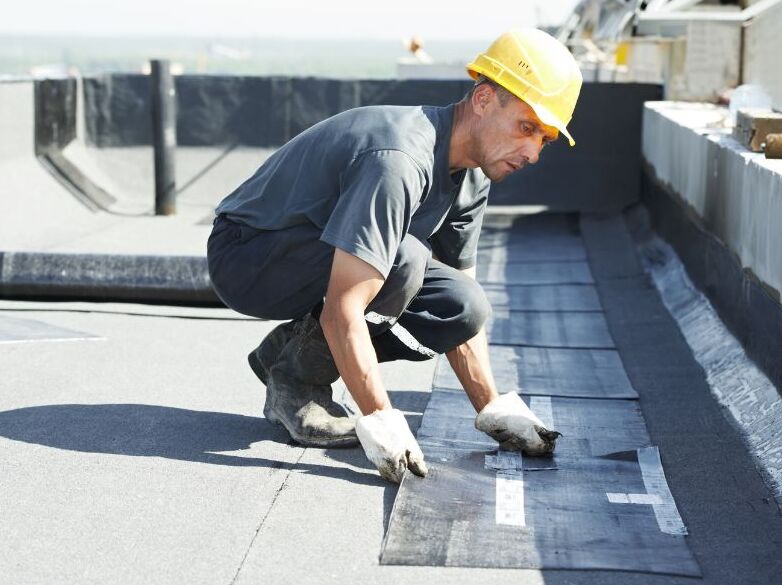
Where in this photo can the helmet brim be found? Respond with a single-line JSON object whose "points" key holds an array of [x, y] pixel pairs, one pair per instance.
{"points": [[549, 119]]}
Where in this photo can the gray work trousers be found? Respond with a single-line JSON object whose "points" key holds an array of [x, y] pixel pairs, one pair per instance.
{"points": [[424, 307]]}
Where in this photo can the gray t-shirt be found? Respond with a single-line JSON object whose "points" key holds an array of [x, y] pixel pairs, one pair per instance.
{"points": [[367, 177]]}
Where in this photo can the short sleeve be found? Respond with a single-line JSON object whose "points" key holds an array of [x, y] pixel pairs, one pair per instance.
{"points": [[456, 241], [379, 192]]}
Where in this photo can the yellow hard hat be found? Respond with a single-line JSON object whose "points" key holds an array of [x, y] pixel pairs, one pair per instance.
{"points": [[537, 68]]}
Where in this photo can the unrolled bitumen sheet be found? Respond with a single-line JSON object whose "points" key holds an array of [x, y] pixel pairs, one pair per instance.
{"points": [[575, 272], [567, 249], [584, 373], [601, 503], [590, 428], [548, 297], [574, 330], [529, 240], [530, 233], [16, 330]]}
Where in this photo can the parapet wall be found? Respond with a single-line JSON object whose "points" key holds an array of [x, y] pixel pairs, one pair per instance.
{"points": [[737, 194], [720, 206], [600, 174]]}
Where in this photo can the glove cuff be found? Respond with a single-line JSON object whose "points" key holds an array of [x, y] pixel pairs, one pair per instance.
{"points": [[504, 402], [391, 417]]}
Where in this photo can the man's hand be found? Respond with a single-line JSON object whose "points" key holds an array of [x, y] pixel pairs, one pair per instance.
{"points": [[389, 444], [510, 422]]}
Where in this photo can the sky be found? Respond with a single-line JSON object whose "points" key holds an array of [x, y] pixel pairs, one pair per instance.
{"points": [[311, 19]]}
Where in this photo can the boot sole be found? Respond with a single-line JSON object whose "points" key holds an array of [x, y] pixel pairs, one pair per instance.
{"points": [[257, 367]]}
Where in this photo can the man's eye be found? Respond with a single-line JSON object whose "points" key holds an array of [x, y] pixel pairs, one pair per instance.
{"points": [[527, 129]]}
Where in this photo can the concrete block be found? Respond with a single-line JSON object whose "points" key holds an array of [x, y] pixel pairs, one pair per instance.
{"points": [[753, 125]]}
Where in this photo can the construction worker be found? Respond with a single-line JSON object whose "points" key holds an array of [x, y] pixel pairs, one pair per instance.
{"points": [[363, 229]]}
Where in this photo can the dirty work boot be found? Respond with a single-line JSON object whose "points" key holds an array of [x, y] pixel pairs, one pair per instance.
{"points": [[263, 357], [298, 392]]}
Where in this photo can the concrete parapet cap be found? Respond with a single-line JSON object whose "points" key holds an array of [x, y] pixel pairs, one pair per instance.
{"points": [[701, 117], [714, 123]]}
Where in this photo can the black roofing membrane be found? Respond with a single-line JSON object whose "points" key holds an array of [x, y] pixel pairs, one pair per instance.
{"points": [[547, 297], [574, 330], [602, 501], [572, 272], [585, 508], [577, 373]]}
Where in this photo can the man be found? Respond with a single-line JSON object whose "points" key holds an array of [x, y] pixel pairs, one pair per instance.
{"points": [[363, 231]]}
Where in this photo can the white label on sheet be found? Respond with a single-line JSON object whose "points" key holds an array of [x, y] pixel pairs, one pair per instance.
{"points": [[648, 499], [510, 498], [668, 518]]}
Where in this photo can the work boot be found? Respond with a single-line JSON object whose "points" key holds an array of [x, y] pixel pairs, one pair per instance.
{"points": [[298, 388], [263, 357]]}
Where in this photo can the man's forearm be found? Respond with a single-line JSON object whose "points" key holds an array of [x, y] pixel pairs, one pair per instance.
{"points": [[354, 355], [470, 362]]}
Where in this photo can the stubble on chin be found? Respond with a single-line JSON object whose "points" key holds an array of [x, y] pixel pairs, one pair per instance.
{"points": [[494, 174]]}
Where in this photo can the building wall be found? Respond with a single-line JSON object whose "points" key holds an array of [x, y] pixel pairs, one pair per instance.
{"points": [[762, 50]]}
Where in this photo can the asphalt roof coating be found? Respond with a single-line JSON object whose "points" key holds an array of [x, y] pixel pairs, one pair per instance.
{"points": [[585, 373], [144, 458], [596, 504]]}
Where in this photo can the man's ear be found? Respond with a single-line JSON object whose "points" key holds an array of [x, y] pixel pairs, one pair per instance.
{"points": [[481, 97]]}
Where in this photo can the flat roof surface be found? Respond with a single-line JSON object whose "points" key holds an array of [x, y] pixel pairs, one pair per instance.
{"points": [[136, 452]]}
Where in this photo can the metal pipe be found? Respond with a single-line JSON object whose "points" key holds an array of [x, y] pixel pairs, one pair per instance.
{"points": [[163, 135]]}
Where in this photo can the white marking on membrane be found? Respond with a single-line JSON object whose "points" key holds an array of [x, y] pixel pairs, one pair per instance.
{"points": [[509, 486], [619, 498], [668, 518], [510, 499], [541, 406]]}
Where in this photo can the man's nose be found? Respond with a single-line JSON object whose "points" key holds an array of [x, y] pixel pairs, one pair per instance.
{"points": [[532, 153], [532, 150]]}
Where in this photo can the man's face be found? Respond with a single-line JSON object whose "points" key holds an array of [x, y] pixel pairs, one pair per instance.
{"points": [[508, 136]]}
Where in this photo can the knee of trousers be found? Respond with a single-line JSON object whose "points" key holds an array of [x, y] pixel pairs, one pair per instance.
{"points": [[474, 310]]}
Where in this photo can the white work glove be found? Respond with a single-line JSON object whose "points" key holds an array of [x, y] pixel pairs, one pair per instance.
{"points": [[389, 444], [509, 421]]}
